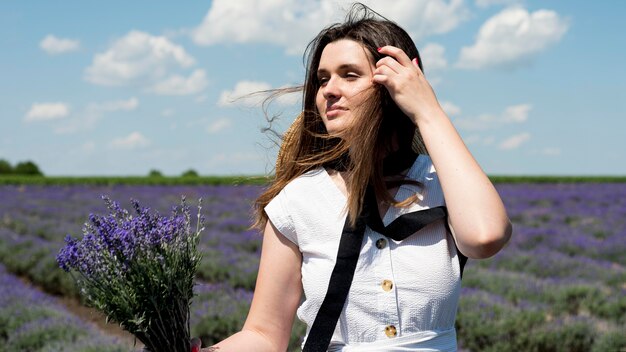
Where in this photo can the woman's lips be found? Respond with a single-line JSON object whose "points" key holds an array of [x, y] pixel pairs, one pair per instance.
{"points": [[334, 111]]}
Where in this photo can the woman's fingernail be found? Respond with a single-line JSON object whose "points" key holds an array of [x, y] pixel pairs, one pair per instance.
{"points": [[379, 49]]}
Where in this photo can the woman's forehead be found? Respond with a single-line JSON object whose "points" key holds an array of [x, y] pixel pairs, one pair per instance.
{"points": [[344, 52]]}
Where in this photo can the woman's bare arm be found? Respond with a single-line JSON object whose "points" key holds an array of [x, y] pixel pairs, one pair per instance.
{"points": [[276, 298], [477, 215]]}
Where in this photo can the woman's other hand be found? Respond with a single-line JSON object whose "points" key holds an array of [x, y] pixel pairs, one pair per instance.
{"points": [[406, 83]]}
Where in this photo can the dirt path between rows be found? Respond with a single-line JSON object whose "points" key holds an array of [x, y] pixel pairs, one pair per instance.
{"points": [[97, 318], [91, 315]]}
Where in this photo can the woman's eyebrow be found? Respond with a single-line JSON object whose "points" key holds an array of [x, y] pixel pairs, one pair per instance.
{"points": [[342, 67]]}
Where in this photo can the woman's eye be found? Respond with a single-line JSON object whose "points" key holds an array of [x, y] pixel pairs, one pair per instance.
{"points": [[322, 80], [352, 75]]}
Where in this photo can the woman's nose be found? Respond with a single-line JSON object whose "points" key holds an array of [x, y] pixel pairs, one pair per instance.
{"points": [[331, 89]]}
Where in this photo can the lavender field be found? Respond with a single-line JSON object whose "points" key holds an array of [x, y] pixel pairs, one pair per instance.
{"points": [[559, 285]]}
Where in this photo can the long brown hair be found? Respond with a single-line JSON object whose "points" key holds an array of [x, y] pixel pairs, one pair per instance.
{"points": [[382, 127]]}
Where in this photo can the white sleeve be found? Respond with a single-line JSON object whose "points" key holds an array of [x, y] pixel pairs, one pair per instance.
{"points": [[277, 212]]}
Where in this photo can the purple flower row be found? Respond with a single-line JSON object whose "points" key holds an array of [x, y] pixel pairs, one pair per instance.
{"points": [[32, 320], [568, 244]]}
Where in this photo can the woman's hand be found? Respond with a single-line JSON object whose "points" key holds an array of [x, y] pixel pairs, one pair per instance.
{"points": [[406, 83]]}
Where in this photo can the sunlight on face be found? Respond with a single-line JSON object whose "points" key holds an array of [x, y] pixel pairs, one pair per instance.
{"points": [[345, 74]]}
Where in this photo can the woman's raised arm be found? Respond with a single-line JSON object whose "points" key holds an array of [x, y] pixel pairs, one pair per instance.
{"points": [[276, 298], [477, 215]]}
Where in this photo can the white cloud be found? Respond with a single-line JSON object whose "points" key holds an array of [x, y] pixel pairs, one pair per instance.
{"points": [[179, 85], [422, 18], [53, 45], [240, 95], [286, 23], [290, 99], [450, 108], [433, 57], [482, 122], [293, 23], [514, 141], [137, 58], [511, 114], [511, 37], [253, 93], [516, 113], [219, 125], [132, 141], [47, 112], [93, 112]]}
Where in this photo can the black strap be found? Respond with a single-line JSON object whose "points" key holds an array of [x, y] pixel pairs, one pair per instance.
{"points": [[407, 224], [348, 254], [338, 288]]}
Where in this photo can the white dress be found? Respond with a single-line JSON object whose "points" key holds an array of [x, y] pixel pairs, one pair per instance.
{"points": [[404, 295]]}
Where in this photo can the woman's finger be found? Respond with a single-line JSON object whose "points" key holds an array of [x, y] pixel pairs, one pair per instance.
{"points": [[385, 70], [397, 54], [380, 79], [383, 75], [391, 63]]}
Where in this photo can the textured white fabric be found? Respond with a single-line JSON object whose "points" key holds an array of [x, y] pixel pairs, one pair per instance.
{"points": [[423, 341], [424, 269]]}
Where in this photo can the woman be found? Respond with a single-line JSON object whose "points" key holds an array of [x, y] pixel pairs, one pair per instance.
{"points": [[348, 159]]}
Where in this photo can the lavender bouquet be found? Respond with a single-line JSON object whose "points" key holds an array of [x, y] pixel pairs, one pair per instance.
{"points": [[139, 271]]}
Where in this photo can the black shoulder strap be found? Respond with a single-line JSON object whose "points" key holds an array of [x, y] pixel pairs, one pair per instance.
{"points": [[340, 281]]}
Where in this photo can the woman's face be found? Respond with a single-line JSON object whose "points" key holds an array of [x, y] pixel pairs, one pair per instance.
{"points": [[344, 74]]}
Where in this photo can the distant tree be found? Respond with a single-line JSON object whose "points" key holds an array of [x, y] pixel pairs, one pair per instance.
{"points": [[27, 168], [190, 173], [5, 167], [155, 173]]}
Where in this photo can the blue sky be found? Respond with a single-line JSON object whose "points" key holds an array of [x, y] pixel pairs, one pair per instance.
{"points": [[120, 88]]}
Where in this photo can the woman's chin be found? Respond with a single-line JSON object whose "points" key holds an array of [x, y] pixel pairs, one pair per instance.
{"points": [[335, 127]]}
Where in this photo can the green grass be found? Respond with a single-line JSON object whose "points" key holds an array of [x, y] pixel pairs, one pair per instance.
{"points": [[131, 180], [557, 179], [252, 180]]}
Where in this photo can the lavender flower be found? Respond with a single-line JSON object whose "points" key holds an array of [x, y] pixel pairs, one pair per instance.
{"points": [[139, 270]]}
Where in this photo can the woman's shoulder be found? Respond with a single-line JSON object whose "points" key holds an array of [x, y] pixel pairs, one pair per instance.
{"points": [[311, 179], [306, 194], [308, 178]]}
